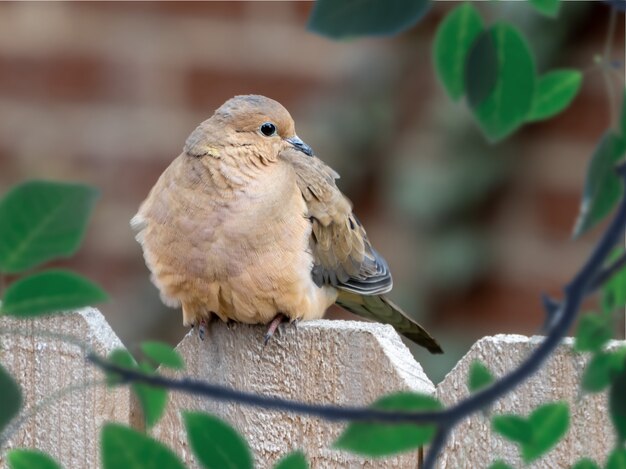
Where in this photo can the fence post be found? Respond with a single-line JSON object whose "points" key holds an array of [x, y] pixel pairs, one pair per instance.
{"points": [[68, 425], [342, 362], [473, 444]]}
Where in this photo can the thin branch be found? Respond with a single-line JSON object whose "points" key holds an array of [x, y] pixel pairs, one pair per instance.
{"points": [[436, 446], [225, 393], [607, 273], [446, 419]]}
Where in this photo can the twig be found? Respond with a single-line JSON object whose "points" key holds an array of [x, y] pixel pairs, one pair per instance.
{"points": [[446, 419], [437, 445]]}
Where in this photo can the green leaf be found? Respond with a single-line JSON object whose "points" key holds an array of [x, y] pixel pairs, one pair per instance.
{"points": [[42, 220], [585, 463], [295, 460], [594, 330], [547, 7], [215, 443], [509, 102], [11, 401], [614, 290], [545, 426], [30, 459], [123, 447], [499, 464], [48, 292], [513, 427], [602, 185], [601, 370], [549, 423], [122, 358], [481, 70], [453, 40], [479, 376], [153, 399], [365, 17], [617, 459], [617, 404], [554, 92], [163, 354], [378, 439]]}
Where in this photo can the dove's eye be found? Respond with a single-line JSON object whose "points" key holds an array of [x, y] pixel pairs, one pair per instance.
{"points": [[268, 129]]}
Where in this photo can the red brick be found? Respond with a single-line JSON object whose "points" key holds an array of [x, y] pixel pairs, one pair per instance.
{"points": [[211, 9], [65, 78], [207, 89], [556, 211]]}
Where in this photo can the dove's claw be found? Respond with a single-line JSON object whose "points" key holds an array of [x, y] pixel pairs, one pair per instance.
{"points": [[277, 321], [202, 329]]}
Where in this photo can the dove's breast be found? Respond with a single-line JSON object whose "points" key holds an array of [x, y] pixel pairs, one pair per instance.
{"points": [[240, 252]]}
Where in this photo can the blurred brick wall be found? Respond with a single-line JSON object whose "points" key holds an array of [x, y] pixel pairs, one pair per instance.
{"points": [[106, 93]]}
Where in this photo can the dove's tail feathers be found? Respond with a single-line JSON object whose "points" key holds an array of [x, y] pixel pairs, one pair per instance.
{"points": [[378, 308]]}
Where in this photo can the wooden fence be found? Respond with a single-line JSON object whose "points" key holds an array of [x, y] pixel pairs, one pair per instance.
{"points": [[340, 362]]}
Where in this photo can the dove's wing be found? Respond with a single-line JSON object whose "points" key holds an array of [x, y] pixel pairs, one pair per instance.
{"points": [[343, 256]]}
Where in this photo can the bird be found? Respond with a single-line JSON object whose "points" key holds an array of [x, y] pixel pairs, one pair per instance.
{"points": [[248, 225]]}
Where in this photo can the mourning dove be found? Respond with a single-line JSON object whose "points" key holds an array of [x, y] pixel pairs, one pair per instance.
{"points": [[248, 225]]}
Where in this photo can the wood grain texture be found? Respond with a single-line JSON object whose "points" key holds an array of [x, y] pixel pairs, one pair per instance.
{"points": [[68, 427], [473, 444], [342, 362]]}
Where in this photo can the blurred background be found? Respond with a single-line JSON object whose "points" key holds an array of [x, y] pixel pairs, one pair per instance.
{"points": [[106, 93]]}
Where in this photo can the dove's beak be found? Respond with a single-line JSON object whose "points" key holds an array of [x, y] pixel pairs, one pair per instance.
{"points": [[300, 145]]}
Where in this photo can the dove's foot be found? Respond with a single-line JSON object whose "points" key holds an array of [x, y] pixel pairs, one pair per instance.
{"points": [[202, 328], [277, 321]]}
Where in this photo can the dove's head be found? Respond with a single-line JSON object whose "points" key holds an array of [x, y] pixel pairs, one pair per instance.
{"points": [[260, 124]]}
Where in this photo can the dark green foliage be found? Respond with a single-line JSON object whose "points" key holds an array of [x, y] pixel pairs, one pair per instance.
{"points": [[594, 331], [614, 291], [479, 376], [42, 220], [162, 354], [215, 443], [537, 434], [507, 106], [123, 447], [617, 403], [554, 92], [122, 358], [50, 291], [500, 465], [11, 401], [295, 460], [617, 459], [30, 459], [602, 186], [377, 439], [585, 463], [453, 41], [350, 18], [495, 68], [153, 399], [481, 69], [602, 369]]}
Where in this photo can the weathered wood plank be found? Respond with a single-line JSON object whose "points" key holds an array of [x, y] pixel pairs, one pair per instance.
{"points": [[473, 444], [67, 426], [340, 362]]}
